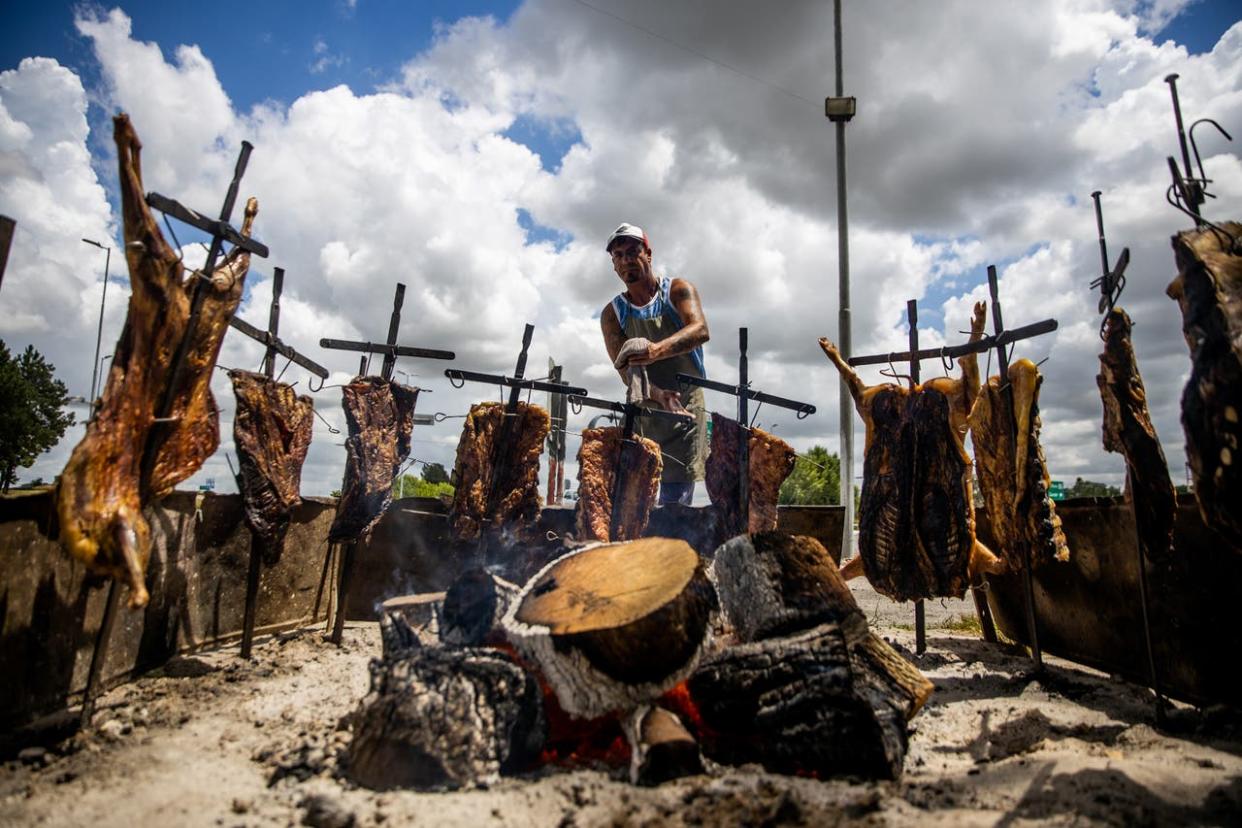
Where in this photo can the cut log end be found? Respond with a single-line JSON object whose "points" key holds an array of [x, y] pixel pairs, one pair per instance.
{"points": [[661, 749], [614, 625]]}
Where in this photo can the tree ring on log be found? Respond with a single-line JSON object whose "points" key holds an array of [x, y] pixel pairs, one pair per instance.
{"points": [[615, 625]]}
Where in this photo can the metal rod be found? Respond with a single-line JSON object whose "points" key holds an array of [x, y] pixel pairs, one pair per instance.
{"points": [[342, 589], [252, 594], [7, 227], [844, 332], [99, 333], [985, 344], [998, 325], [273, 322], [517, 384], [499, 454], [1099, 225], [100, 654], [743, 432], [216, 228], [394, 324], [1142, 578], [1192, 190], [912, 318], [802, 408], [622, 408], [266, 339], [381, 348]]}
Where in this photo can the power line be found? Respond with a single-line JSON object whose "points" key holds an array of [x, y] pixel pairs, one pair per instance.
{"points": [[699, 54]]}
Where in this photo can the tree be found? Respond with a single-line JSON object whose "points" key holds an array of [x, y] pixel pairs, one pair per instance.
{"points": [[407, 485], [31, 420], [816, 479], [435, 473], [1090, 488]]}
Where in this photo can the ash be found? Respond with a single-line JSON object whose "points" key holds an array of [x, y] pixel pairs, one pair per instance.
{"points": [[211, 740]]}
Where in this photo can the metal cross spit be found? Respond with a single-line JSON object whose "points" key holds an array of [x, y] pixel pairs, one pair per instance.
{"points": [[516, 385], [220, 231], [744, 394], [1189, 192], [272, 346], [630, 412], [391, 350], [999, 340], [1111, 284]]}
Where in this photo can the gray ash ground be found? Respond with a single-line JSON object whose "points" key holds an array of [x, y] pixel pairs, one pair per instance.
{"points": [[211, 740]]}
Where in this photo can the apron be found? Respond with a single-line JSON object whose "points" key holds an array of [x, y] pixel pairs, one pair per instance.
{"points": [[683, 446]]}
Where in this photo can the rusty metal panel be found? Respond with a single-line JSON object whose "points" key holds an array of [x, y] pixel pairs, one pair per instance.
{"points": [[1089, 611]]}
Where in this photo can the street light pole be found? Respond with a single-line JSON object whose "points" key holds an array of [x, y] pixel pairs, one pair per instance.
{"points": [[99, 334], [840, 110]]}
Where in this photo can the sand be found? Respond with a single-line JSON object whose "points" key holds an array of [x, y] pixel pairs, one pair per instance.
{"points": [[210, 740]]}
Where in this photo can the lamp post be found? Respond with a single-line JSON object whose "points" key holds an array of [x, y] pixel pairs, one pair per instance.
{"points": [[840, 110], [99, 334]]}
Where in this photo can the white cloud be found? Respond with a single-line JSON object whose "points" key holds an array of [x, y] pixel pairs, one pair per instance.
{"points": [[967, 150]]}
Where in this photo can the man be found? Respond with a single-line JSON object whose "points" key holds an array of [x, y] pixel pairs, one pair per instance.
{"points": [[658, 323]]}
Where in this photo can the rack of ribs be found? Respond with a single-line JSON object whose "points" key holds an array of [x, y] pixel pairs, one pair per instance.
{"points": [[517, 500], [380, 414], [272, 433], [599, 457], [100, 494], [1013, 477], [916, 518], [771, 461], [1208, 288]]}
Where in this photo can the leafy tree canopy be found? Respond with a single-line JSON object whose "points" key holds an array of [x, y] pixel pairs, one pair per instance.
{"points": [[410, 486], [1090, 488], [435, 473], [815, 480], [31, 420]]}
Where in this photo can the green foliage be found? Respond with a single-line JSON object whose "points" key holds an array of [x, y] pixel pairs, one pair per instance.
{"points": [[410, 486], [815, 480], [435, 473], [1089, 488], [31, 421]]}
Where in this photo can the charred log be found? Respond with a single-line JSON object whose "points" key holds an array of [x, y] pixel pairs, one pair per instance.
{"points": [[771, 461], [380, 415], [473, 608], [615, 625], [101, 493], [602, 453], [479, 501], [773, 583], [410, 622], [661, 749], [801, 704], [1128, 430], [272, 433], [1208, 288], [446, 718]]}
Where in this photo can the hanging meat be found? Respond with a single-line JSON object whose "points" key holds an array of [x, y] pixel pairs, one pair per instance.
{"points": [[272, 433], [101, 493], [771, 461], [1208, 288], [479, 501], [601, 454], [1128, 430], [916, 518], [380, 414], [1013, 477]]}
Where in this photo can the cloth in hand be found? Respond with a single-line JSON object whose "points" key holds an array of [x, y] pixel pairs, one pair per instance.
{"points": [[638, 387]]}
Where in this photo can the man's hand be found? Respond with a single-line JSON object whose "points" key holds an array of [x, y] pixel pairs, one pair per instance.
{"points": [[668, 400], [635, 352]]}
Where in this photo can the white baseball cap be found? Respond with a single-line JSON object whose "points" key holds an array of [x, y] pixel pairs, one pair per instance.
{"points": [[627, 230]]}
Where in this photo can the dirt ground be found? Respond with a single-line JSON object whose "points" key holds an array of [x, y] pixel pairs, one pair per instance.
{"points": [[211, 740]]}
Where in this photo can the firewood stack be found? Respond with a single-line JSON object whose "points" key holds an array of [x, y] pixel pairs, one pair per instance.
{"points": [[608, 655]]}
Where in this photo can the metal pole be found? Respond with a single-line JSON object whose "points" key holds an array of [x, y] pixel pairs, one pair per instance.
{"points": [[743, 430], [912, 317], [100, 653], [99, 333], [844, 336]]}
